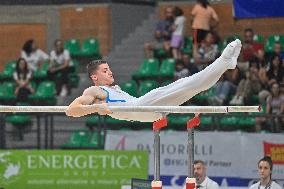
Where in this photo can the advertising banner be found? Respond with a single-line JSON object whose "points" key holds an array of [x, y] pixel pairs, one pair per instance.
{"points": [[231, 157], [75, 169]]}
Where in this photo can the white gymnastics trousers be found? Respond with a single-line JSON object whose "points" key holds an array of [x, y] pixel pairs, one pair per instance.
{"points": [[175, 93]]}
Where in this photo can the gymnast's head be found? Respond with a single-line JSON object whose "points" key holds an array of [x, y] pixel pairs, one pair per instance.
{"points": [[100, 73]]}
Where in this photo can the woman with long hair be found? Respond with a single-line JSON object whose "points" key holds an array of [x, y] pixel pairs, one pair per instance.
{"points": [[276, 71], [22, 76]]}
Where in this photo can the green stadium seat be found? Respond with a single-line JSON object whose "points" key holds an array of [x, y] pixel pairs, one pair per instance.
{"points": [[246, 123], [147, 86], [90, 48], [148, 69], [7, 90], [74, 64], [220, 46], [206, 120], [205, 95], [167, 68], [165, 83], [92, 120], [130, 87], [229, 123], [41, 74], [178, 122], [188, 45], [258, 38], [275, 38], [8, 71], [229, 39], [159, 53], [206, 123], [78, 139], [44, 94], [20, 121], [74, 80], [116, 124], [73, 46], [269, 45], [254, 99], [94, 141]]}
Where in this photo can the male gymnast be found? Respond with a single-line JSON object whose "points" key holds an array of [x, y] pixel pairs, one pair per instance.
{"points": [[173, 94]]}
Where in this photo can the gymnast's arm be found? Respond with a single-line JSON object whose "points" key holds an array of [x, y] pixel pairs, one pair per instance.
{"points": [[90, 96]]}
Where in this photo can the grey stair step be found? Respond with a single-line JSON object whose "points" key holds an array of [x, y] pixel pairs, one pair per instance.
{"points": [[121, 49], [130, 54]]}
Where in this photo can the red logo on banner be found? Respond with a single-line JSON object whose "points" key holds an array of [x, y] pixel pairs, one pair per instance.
{"points": [[121, 144], [275, 151]]}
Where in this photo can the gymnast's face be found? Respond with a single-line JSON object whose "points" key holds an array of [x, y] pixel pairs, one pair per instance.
{"points": [[102, 76]]}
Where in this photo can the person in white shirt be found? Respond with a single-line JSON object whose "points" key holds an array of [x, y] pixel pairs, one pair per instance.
{"points": [[178, 34], [59, 67], [202, 181], [265, 167], [34, 56]]}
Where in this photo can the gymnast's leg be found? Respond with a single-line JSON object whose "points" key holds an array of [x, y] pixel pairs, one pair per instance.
{"points": [[183, 89]]}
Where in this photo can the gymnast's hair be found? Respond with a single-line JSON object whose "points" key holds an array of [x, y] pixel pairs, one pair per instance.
{"points": [[93, 66]]}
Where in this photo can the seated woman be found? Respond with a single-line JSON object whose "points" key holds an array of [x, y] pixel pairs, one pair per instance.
{"points": [[59, 68], [275, 74], [23, 76], [275, 106]]}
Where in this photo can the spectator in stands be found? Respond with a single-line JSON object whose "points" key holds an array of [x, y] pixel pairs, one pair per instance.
{"points": [[202, 180], [59, 68], [248, 86], [249, 49], [226, 87], [23, 76], [162, 34], [265, 167], [275, 72], [234, 76], [206, 53], [190, 66], [222, 91], [180, 70], [178, 33], [202, 15], [277, 50], [260, 58], [34, 56], [274, 105]]}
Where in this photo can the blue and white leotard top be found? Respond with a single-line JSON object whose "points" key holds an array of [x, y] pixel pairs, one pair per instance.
{"points": [[117, 97]]}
